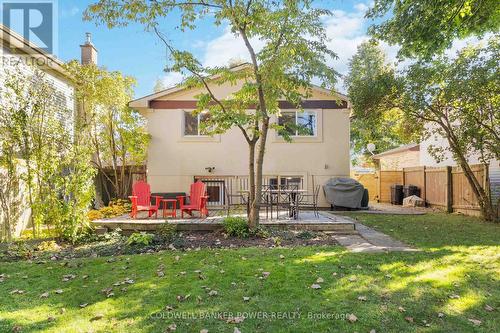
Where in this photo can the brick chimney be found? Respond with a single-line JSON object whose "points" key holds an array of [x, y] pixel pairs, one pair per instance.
{"points": [[89, 52]]}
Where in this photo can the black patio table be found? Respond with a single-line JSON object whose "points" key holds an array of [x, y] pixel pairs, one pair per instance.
{"points": [[292, 195]]}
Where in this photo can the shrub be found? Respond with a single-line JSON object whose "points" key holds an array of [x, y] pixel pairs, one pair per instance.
{"points": [[48, 246], [236, 226], [305, 235], [107, 211], [167, 232], [95, 215], [140, 239], [260, 233]]}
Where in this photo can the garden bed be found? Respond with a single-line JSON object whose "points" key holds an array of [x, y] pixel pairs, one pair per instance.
{"points": [[111, 244]]}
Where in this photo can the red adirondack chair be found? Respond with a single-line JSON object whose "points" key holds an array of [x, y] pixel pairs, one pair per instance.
{"points": [[141, 200], [197, 200]]}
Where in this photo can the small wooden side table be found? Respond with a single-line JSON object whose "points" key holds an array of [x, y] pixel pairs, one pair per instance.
{"points": [[169, 211]]}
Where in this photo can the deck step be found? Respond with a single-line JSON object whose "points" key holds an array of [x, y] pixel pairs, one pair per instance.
{"points": [[150, 225]]}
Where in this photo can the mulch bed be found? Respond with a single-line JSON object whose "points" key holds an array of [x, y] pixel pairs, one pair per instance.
{"points": [[185, 241]]}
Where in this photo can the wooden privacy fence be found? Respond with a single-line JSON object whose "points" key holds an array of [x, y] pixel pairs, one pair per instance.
{"points": [[442, 187]]}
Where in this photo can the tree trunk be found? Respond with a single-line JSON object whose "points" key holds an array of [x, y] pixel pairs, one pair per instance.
{"points": [[483, 195], [253, 215], [254, 221]]}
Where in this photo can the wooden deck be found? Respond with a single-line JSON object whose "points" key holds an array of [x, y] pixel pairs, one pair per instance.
{"points": [[306, 221]]}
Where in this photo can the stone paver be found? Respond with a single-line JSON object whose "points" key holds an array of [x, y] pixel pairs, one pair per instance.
{"points": [[370, 240]]}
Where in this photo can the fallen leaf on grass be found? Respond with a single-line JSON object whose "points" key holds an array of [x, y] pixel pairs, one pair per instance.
{"points": [[235, 320], [17, 291], [315, 286], [476, 322], [84, 305], [246, 299], [171, 327], [440, 315], [213, 293], [409, 319], [98, 316], [401, 309], [454, 296], [51, 318], [16, 329], [352, 318], [236, 330], [320, 280], [265, 274], [361, 298], [204, 330], [352, 279], [489, 308], [59, 291], [160, 273], [282, 256], [44, 295]]}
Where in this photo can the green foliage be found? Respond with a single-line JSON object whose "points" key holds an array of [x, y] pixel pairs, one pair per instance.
{"points": [[372, 89], [236, 227], [426, 27], [167, 232], [141, 238], [38, 129], [452, 99], [116, 133], [48, 246], [305, 235]]}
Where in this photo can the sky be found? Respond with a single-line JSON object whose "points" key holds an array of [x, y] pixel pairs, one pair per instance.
{"points": [[142, 55]]}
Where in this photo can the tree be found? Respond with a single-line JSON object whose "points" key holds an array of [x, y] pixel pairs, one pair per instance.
{"points": [[426, 27], [33, 113], [456, 99], [117, 133], [293, 54], [371, 88]]}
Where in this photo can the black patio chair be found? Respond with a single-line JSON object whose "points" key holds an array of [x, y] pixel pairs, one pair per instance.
{"points": [[235, 200], [268, 199], [286, 197], [310, 200]]}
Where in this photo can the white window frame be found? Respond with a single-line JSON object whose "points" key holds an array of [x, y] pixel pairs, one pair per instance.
{"points": [[296, 135]]}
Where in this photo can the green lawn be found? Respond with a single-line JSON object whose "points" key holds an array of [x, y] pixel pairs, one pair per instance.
{"points": [[456, 275]]}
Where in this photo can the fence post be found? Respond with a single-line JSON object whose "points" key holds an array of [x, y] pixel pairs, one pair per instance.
{"points": [[379, 175], [449, 190], [424, 190]]}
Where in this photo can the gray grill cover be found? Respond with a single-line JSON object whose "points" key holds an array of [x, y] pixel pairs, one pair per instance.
{"points": [[344, 192]]}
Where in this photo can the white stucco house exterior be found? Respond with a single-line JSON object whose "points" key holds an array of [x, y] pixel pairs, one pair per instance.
{"points": [[179, 154]]}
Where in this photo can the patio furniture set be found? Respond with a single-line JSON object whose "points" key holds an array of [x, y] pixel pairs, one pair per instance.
{"points": [[274, 198]]}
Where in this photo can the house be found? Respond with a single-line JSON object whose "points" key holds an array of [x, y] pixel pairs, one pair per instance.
{"points": [[398, 158], [179, 154], [19, 53]]}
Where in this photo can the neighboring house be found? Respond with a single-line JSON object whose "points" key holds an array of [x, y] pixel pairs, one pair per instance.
{"points": [[398, 158], [17, 52], [179, 154]]}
